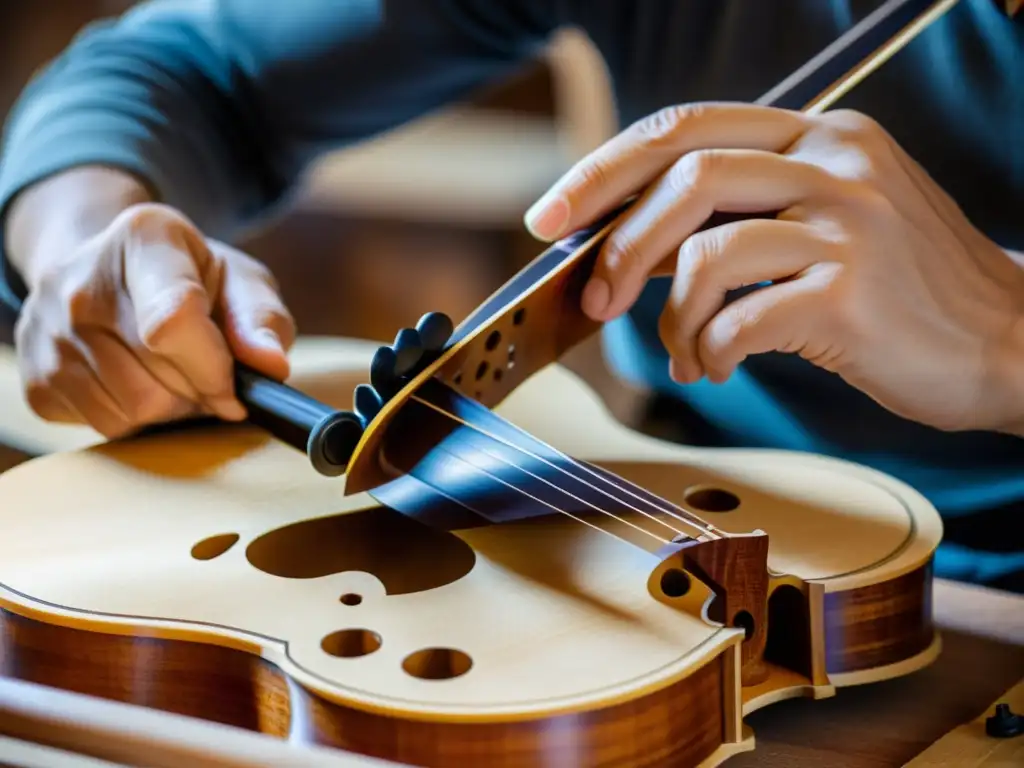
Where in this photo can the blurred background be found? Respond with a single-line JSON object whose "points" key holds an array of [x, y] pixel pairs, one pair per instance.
{"points": [[427, 217]]}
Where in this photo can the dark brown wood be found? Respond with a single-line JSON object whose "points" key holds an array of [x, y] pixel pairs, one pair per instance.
{"points": [[736, 570], [209, 682], [677, 726], [880, 624]]}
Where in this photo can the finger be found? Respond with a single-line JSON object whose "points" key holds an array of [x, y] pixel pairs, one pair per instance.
{"points": [[49, 405], [172, 305], [258, 327], [782, 318], [715, 261], [56, 371], [674, 207], [138, 393], [634, 158]]}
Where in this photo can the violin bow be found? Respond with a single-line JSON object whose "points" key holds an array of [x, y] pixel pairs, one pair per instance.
{"points": [[535, 317]]}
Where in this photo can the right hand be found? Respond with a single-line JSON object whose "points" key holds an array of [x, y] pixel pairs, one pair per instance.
{"points": [[142, 323]]}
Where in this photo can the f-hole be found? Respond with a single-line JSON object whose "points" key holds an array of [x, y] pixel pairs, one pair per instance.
{"points": [[789, 630]]}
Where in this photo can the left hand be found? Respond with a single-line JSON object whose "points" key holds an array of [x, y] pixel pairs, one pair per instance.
{"points": [[876, 273]]}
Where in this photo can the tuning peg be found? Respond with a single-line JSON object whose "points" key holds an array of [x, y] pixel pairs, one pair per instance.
{"points": [[434, 328], [382, 373], [367, 403], [408, 351]]}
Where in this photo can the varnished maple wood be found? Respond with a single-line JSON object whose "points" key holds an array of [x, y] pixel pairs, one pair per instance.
{"points": [[867, 727], [881, 624], [680, 724]]}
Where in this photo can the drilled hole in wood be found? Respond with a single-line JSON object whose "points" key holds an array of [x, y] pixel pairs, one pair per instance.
{"points": [[511, 355], [458, 378], [712, 499], [745, 621], [493, 340], [215, 546], [437, 663], [351, 643], [482, 369], [675, 583], [351, 598], [498, 374], [519, 316], [405, 555]]}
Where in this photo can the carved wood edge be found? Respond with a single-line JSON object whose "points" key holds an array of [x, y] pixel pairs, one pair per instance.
{"points": [[126, 734], [968, 745]]}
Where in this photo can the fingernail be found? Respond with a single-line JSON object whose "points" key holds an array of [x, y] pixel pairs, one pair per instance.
{"points": [[548, 217], [266, 338], [596, 296], [682, 374]]}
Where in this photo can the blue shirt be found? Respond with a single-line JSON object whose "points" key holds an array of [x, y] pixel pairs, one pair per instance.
{"points": [[221, 105]]}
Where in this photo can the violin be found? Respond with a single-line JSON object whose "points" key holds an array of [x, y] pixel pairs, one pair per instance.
{"points": [[475, 564]]}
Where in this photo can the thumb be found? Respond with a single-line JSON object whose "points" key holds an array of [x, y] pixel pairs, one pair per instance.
{"points": [[257, 325]]}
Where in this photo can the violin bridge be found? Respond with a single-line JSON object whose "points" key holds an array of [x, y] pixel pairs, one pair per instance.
{"points": [[728, 579]]}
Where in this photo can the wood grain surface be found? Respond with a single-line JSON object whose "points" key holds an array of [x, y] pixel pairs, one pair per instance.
{"points": [[885, 725]]}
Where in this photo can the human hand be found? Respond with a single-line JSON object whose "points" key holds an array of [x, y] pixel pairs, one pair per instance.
{"points": [[141, 324], [875, 273]]}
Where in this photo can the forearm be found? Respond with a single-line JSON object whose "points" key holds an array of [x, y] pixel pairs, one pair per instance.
{"points": [[217, 107], [55, 215]]}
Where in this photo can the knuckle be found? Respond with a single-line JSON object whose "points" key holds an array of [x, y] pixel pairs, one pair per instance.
{"points": [[663, 126], [696, 256], [871, 203], [620, 253], [276, 317], [729, 326], [152, 218], [851, 125], [261, 273], [161, 318], [591, 174], [692, 170]]}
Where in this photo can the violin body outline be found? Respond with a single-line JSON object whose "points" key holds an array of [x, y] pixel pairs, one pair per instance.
{"points": [[552, 643]]}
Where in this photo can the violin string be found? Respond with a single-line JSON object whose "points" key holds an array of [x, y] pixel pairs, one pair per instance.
{"points": [[681, 515], [625, 485], [593, 506], [557, 468], [551, 506]]}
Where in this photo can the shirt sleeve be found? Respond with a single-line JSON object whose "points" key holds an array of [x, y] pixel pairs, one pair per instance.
{"points": [[219, 105]]}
